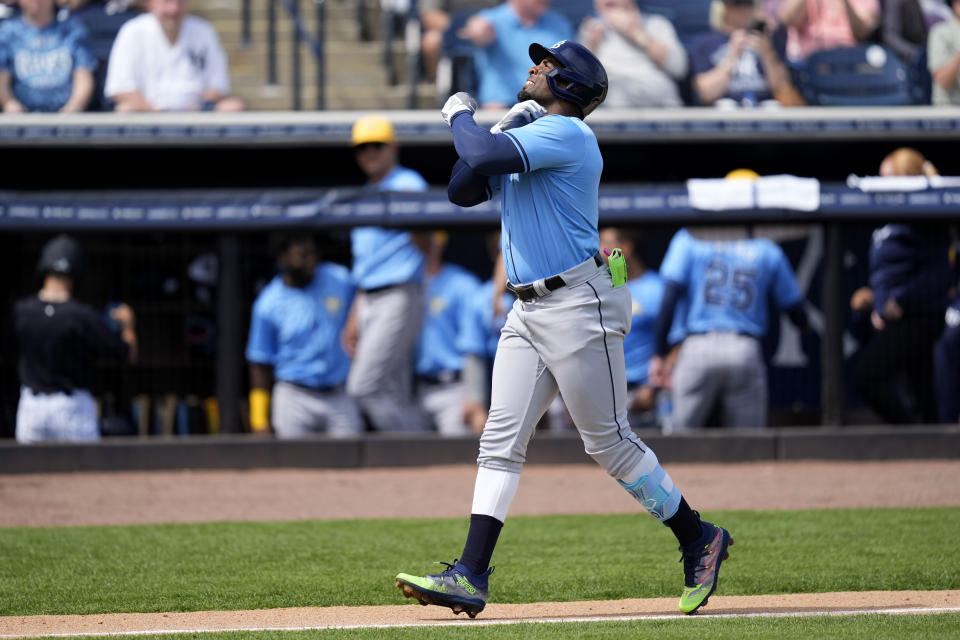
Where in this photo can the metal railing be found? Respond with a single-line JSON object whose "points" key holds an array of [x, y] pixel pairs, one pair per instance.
{"points": [[301, 36]]}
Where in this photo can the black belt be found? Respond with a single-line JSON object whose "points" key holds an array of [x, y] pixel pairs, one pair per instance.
{"points": [[526, 292], [441, 377], [378, 289], [305, 387]]}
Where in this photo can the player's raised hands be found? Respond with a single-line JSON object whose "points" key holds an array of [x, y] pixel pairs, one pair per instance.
{"points": [[460, 101], [519, 114]]}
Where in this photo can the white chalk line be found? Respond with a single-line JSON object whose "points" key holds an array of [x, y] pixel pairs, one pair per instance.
{"points": [[492, 623]]}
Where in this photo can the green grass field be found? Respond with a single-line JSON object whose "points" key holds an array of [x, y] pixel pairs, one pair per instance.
{"points": [[193, 567]]}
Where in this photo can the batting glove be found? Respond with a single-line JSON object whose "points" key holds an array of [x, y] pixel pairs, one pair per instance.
{"points": [[460, 101], [519, 114]]}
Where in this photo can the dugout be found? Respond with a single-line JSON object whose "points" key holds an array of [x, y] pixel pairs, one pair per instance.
{"points": [[159, 201]]}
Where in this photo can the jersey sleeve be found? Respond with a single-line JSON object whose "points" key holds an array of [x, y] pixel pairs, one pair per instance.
{"points": [[676, 263], [122, 64], [786, 291], [551, 141], [262, 341]]}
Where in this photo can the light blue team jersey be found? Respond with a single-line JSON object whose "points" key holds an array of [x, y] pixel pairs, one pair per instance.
{"points": [[549, 212], [385, 257], [449, 295], [298, 330], [503, 64], [481, 329], [41, 62], [729, 283], [646, 293]]}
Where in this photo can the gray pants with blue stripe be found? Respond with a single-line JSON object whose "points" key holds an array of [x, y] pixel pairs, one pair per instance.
{"points": [[570, 340]]}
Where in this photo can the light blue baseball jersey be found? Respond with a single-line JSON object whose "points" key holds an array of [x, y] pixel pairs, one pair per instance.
{"points": [[729, 283], [549, 212], [298, 330], [41, 62], [385, 257], [646, 293], [449, 295], [503, 64], [481, 329]]}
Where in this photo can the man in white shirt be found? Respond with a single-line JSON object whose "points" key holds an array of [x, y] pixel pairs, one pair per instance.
{"points": [[166, 60]]}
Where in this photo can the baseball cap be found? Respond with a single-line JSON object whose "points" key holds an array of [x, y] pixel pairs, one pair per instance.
{"points": [[742, 174], [62, 255], [372, 129]]}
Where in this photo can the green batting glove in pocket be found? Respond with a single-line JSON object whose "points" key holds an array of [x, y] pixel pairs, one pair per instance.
{"points": [[618, 267]]}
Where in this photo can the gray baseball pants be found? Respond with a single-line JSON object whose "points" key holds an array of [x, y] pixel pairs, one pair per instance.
{"points": [[720, 367], [297, 411], [570, 340], [380, 379]]}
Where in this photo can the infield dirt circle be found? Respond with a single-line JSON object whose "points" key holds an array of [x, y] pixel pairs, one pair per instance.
{"points": [[194, 496]]}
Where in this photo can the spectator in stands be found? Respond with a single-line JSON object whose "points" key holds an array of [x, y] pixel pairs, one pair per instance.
{"points": [[489, 306], [909, 287], [646, 293], [741, 63], [641, 53], [435, 16], [45, 65], [904, 28], [502, 35], [59, 338], [817, 25], [728, 280], [943, 58], [167, 60], [388, 271], [439, 360], [294, 346]]}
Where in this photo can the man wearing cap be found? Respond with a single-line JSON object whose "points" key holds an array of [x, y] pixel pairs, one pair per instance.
{"points": [[59, 339], [388, 273]]}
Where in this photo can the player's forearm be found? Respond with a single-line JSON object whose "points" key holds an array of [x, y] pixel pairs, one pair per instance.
{"points": [[467, 188], [485, 153], [82, 91], [668, 305]]}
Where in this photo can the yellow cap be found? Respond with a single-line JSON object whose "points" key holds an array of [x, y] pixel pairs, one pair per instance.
{"points": [[372, 129], [742, 174]]}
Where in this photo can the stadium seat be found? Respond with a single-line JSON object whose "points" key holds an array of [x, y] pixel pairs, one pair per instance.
{"points": [[866, 75], [690, 18]]}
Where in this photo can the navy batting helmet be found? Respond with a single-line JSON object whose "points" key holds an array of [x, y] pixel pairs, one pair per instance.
{"points": [[582, 74]]}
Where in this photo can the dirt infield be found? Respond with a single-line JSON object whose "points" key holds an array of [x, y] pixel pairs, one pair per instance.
{"points": [[193, 496], [130, 498]]}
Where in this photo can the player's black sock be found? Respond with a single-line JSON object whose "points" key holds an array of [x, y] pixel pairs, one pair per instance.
{"points": [[685, 524], [481, 539]]}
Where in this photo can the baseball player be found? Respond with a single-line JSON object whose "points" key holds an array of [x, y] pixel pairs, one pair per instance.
{"points": [[388, 272], [294, 346], [439, 360], [59, 339], [565, 331], [727, 284]]}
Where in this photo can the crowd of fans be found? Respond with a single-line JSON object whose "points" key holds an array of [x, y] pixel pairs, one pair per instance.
{"points": [[152, 55]]}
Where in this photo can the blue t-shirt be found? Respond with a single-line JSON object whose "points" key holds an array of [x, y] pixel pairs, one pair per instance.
{"points": [[747, 78], [385, 257], [449, 295], [646, 293], [481, 328], [549, 212], [728, 284], [503, 64], [298, 330], [41, 62]]}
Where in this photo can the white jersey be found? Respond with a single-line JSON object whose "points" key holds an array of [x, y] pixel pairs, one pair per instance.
{"points": [[171, 77]]}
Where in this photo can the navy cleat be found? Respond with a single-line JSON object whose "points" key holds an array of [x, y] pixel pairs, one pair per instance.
{"points": [[701, 566], [457, 588]]}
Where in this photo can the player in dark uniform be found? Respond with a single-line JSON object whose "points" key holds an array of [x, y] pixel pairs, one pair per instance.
{"points": [[59, 338]]}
